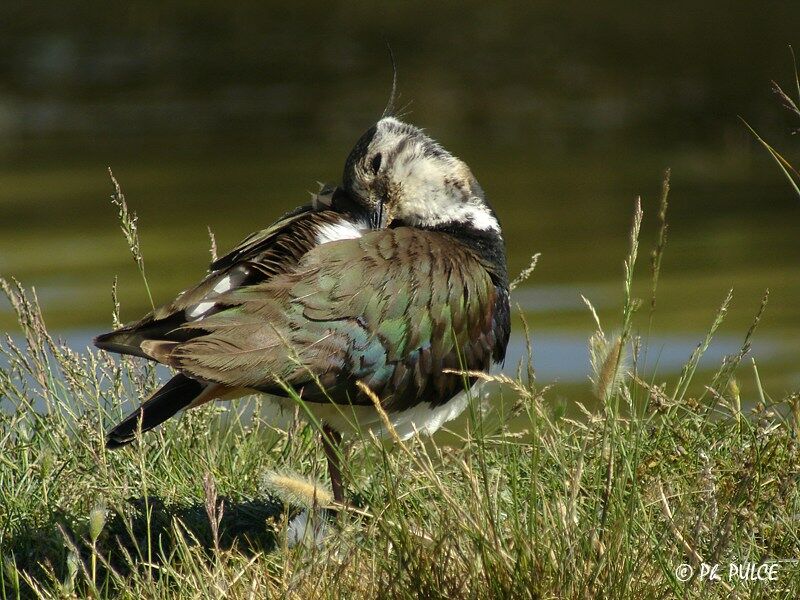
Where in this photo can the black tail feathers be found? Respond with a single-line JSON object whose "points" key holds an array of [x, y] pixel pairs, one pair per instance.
{"points": [[174, 395]]}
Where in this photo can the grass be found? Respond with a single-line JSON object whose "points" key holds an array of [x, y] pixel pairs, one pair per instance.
{"points": [[791, 104], [608, 505]]}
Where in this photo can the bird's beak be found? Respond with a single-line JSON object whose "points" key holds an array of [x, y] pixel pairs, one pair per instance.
{"points": [[384, 206], [379, 216]]}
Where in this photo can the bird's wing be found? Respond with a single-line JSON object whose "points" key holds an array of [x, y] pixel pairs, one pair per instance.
{"points": [[260, 241], [391, 309], [258, 258]]}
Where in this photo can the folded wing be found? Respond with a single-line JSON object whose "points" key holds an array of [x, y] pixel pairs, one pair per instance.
{"points": [[258, 258], [391, 309]]}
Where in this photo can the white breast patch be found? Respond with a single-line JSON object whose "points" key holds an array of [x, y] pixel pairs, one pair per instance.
{"points": [[343, 230]]}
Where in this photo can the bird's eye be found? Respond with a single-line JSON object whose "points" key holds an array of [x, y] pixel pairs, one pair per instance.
{"points": [[375, 164]]}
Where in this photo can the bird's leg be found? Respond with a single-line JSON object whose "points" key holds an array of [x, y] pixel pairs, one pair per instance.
{"points": [[331, 441]]}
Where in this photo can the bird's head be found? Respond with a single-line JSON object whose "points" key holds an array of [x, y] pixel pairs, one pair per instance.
{"points": [[397, 175]]}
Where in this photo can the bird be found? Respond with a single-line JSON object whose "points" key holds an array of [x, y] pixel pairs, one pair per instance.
{"points": [[392, 285]]}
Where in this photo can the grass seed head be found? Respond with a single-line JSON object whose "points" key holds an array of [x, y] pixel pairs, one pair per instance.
{"points": [[296, 489], [607, 358], [97, 520]]}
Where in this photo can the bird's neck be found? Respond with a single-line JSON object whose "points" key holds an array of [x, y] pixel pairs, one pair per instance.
{"points": [[487, 244]]}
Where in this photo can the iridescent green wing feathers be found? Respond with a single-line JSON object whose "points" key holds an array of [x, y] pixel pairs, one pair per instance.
{"points": [[392, 309]]}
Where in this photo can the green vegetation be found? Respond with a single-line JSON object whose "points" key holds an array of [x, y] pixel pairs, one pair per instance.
{"points": [[607, 505], [790, 104]]}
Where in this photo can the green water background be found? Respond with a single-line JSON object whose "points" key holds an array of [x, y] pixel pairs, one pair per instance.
{"points": [[224, 116]]}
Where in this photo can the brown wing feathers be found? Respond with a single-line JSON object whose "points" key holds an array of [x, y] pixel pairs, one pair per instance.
{"points": [[261, 256], [389, 309]]}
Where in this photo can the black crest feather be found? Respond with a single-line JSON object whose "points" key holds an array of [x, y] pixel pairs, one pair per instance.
{"points": [[389, 111]]}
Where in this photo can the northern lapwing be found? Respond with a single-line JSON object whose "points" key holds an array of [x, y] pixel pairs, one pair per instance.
{"points": [[391, 281]]}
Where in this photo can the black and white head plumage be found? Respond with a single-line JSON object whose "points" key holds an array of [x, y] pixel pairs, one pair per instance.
{"points": [[400, 176]]}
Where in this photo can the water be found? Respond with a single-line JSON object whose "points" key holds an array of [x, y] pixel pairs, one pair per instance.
{"points": [[224, 117]]}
